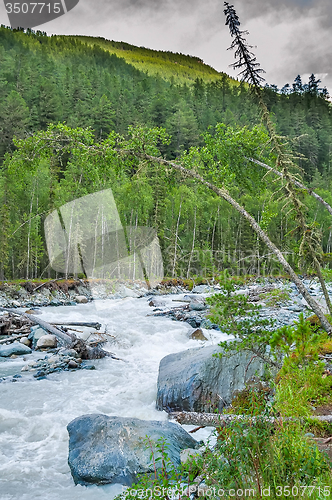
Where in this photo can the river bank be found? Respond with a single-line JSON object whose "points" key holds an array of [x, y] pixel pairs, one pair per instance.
{"points": [[34, 413]]}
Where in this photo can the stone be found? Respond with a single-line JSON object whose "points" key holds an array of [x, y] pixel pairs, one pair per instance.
{"points": [[195, 380], [56, 302], [15, 348], [72, 364], [157, 303], [25, 341], [188, 453], [197, 335], [124, 292], [36, 333], [47, 342], [106, 449], [193, 319], [16, 303], [295, 308], [195, 305], [202, 289], [207, 324], [81, 299], [68, 352], [33, 311]]}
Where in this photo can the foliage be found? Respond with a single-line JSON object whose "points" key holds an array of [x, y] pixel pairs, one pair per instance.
{"points": [[275, 296], [212, 126], [241, 319], [264, 458]]}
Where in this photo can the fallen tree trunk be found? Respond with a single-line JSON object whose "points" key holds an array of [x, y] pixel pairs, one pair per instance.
{"points": [[221, 420], [69, 340], [223, 193], [96, 326]]}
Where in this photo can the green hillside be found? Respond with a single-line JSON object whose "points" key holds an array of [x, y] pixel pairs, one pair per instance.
{"points": [[169, 65], [73, 82]]}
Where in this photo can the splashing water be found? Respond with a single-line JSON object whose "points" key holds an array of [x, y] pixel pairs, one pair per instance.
{"points": [[34, 413]]}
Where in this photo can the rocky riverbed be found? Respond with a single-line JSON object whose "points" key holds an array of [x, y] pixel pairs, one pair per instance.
{"points": [[278, 300], [35, 411]]}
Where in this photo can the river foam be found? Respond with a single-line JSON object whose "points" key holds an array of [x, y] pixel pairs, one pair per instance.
{"points": [[34, 413]]}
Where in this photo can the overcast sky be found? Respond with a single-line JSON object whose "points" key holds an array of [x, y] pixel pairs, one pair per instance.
{"points": [[291, 37]]}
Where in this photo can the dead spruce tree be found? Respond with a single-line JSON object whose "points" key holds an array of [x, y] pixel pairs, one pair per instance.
{"points": [[310, 251]]}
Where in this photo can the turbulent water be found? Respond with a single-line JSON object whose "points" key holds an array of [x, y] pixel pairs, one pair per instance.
{"points": [[34, 413]]}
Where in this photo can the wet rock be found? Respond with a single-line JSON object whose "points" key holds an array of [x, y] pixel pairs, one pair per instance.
{"points": [[197, 335], [47, 342], [193, 319], [68, 352], [195, 380], [195, 305], [51, 364], [25, 341], [202, 289], [36, 333], [33, 311], [15, 348], [16, 303], [157, 303], [81, 299], [188, 453], [207, 324], [56, 302], [106, 449], [295, 308], [124, 292]]}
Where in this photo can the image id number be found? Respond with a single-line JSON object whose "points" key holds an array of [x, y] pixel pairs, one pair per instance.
{"points": [[31, 7]]}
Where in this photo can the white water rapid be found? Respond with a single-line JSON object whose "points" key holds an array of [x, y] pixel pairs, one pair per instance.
{"points": [[34, 413]]}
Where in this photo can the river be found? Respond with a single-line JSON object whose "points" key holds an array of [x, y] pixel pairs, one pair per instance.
{"points": [[34, 413]]}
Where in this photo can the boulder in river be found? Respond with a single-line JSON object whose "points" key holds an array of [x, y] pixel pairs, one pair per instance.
{"points": [[197, 334], [25, 341], [47, 342], [81, 299], [36, 333], [196, 305], [15, 348], [106, 449], [202, 289], [195, 380]]}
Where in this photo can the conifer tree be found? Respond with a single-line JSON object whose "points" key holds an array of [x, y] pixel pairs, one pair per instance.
{"points": [[310, 250]]}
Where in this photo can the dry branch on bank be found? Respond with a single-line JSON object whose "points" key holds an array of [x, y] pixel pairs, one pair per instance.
{"points": [[69, 340], [221, 420]]}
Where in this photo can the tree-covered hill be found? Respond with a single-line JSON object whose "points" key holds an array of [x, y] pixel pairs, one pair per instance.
{"points": [[177, 67], [79, 82]]}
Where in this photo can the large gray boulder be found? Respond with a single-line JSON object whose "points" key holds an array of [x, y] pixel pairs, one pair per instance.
{"points": [[194, 380], [106, 449], [15, 348]]}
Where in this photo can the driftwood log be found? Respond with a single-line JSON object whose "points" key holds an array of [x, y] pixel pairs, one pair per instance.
{"points": [[96, 326], [69, 340], [221, 420]]}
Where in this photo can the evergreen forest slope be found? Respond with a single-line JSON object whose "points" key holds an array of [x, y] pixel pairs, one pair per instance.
{"points": [[171, 66], [82, 82]]}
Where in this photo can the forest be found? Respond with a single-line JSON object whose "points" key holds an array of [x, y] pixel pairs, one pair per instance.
{"points": [[57, 90]]}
